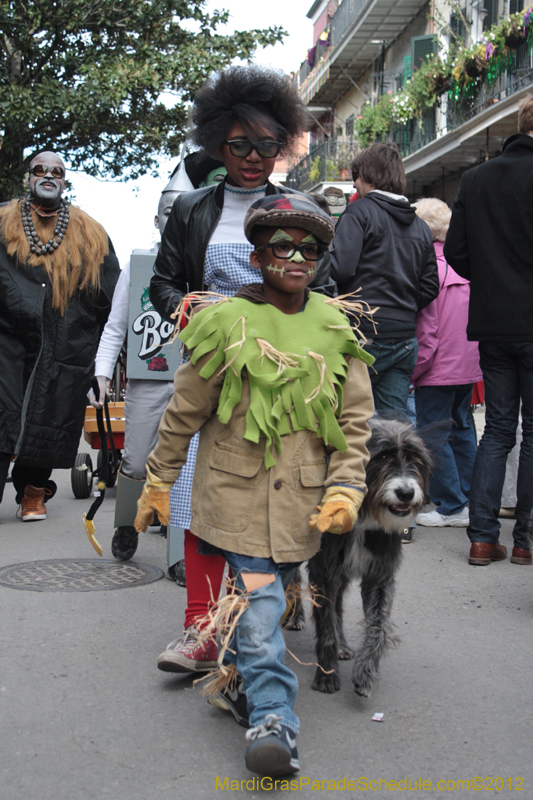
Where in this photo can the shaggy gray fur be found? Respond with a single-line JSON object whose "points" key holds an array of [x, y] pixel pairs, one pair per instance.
{"points": [[397, 476]]}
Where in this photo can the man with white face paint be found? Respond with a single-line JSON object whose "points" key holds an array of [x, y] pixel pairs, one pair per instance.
{"points": [[58, 271], [144, 403]]}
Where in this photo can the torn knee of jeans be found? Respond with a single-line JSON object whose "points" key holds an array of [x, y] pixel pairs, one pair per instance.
{"points": [[256, 580]]}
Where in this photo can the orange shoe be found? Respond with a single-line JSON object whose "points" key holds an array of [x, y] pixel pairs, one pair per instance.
{"points": [[32, 505]]}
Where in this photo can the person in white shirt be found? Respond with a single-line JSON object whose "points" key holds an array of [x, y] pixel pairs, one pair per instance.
{"points": [[145, 400]]}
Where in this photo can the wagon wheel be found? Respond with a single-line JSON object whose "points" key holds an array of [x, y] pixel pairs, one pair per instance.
{"points": [[112, 476], [81, 476]]}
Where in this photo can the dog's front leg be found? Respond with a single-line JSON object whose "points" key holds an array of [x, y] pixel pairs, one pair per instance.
{"points": [[377, 599], [325, 619]]}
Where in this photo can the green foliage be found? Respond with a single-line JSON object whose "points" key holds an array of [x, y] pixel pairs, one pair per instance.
{"points": [[85, 78], [316, 170], [374, 122]]}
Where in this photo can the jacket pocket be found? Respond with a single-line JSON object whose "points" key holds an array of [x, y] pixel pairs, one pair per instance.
{"points": [[231, 487], [309, 493], [313, 473]]}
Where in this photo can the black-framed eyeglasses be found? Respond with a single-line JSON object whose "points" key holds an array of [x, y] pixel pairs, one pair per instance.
{"points": [[284, 250], [240, 148], [40, 171]]}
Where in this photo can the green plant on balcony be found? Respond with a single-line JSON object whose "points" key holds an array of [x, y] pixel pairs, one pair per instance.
{"points": [[374, 122], [315, 171], [458, 75]]}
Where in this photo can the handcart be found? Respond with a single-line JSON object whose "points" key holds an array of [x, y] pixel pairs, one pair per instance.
{"points": [[83, 474]]}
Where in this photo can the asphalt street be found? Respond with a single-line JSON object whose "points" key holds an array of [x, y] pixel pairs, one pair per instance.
{"points": [[86, 715]]}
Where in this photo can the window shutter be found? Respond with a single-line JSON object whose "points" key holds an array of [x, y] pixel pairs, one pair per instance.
{"points": [[515, 6], [492, 16], [349, 125], [457, 25], [407, 68], [422, 47]]}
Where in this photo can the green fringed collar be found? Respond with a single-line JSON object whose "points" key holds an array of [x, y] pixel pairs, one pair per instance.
{"points": [[295, 364]]}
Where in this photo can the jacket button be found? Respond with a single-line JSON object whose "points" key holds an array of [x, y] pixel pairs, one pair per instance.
{"points": [[277, 484]]}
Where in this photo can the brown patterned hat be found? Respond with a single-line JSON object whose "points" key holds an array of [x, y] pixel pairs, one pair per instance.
{"points": [[289, 210]]}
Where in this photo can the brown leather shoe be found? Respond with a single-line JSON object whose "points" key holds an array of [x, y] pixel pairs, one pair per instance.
{"points": [[482, 553], [520, 556], [32, 505]]}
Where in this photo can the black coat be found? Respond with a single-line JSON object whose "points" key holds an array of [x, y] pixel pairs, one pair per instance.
{"points": [[384, 249], [180, 264], [46, 361], [490, 242]]}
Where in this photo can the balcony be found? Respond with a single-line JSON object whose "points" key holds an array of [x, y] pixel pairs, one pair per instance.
{"points": [[486, 96], [330, 161], [449, 139], [355, 27]]}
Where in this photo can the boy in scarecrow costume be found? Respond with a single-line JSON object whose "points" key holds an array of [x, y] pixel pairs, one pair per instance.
{"points": [[278, 386]]}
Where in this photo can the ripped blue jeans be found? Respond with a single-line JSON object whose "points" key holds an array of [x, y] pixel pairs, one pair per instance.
{"points": [[270, 686]]}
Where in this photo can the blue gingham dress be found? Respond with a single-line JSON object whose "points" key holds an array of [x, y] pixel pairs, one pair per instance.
{"points": [[227, 268]]}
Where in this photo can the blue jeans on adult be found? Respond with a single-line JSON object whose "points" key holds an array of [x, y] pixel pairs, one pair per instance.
{"points": [[391, 372], [269, 685], [452, 443], [508, 375]]}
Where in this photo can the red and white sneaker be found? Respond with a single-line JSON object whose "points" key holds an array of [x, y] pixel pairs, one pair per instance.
{"points": [[189, 654]]}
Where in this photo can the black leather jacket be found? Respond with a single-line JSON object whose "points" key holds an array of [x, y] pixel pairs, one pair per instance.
{"points": [[180, 263]]}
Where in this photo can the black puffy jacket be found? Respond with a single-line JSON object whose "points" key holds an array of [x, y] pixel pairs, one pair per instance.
{"points": [[383, 248], [46, 361], [180, 264]]}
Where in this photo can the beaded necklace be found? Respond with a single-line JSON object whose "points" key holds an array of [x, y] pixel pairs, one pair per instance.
{"points": [[36, 246]]}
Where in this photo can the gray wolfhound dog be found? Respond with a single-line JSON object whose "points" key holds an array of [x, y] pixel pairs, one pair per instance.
{"points": [[397, 476]]}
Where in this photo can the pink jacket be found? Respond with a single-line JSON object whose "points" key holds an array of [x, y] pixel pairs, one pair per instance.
{"points": [[445, 357]]}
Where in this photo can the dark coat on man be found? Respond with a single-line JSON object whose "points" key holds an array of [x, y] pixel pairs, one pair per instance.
{"points": [[384, 249], [490, 242], [47, 361]]}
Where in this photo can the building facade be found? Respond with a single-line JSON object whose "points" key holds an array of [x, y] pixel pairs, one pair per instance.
{"points": [[362, 80]]}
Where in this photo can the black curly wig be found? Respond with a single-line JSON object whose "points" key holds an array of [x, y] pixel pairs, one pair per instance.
{"points": [[257, 97]]}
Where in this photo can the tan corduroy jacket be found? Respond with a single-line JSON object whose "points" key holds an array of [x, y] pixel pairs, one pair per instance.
{"points": [[237, 504]]}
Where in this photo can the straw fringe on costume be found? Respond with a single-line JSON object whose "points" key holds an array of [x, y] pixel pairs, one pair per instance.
{"points": [[294, 390], [74, 266], [222, 619]]}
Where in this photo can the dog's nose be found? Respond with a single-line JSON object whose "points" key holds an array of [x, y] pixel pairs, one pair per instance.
{"points": [[405, 493]]}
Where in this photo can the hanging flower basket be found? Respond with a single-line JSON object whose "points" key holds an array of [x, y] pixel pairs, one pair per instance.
{"points": [[475, 66], [514, 40], [513, 32], [442, 84]]}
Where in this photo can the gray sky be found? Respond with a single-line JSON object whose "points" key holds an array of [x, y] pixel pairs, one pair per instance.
{"points": [[127, 210]]}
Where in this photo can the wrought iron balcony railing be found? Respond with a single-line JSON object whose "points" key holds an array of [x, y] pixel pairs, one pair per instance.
{"points": [[329, 161], [485, 94]]}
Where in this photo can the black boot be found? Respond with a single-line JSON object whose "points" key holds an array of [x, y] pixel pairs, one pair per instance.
{"points": [[177, 572], [124, 543]]}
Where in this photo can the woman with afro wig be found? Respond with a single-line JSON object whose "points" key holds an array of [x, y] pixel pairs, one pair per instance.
{"points": [[245, 117]]}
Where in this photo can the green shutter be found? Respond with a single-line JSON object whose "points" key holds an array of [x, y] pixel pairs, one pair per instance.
{"points": [[422, 47], [407, 68]]}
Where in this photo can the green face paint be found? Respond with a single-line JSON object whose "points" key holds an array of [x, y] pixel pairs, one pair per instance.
{"points": [[297, 258], [280, 236], [310, 239], [275, 270]]}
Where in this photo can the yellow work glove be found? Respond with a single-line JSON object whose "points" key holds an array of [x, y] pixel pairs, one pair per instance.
{"points": [[155, 497], [338, 512]]}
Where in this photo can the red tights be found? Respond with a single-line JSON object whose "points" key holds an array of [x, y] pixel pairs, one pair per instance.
{"points": [[198, 569]]}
